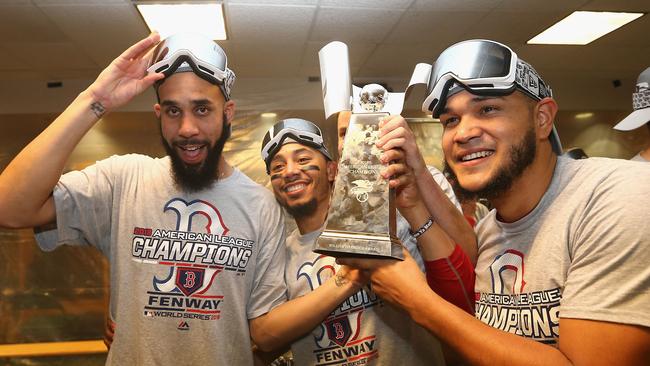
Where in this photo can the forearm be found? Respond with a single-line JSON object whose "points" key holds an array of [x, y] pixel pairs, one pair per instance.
{"points": [[299, 316], [434, 243], [474, 341], [452, 278], [445, 214], [27, 182]]}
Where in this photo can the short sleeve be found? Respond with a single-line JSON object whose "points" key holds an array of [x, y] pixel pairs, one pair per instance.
{"points": [[269, 287], [609, 275], [83, 201]]}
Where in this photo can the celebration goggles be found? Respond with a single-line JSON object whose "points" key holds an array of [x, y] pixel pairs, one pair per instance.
{"points": [[482, 67], [185, 52], [294, 130]]}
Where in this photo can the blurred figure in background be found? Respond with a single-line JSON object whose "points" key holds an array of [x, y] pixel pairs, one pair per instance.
{"points": [[641, 114]]}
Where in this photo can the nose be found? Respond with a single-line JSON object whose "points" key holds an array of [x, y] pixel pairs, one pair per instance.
{"points": [[188, 127], [467, 129], [292, 169]]}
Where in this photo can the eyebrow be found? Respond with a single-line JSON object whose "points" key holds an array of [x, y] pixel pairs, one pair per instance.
{"points": [[168, 102], [476, 99]]}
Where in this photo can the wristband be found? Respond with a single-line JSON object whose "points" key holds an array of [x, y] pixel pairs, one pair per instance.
{"points": [[416, 234]]}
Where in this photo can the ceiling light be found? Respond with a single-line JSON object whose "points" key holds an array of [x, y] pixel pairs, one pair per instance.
{"points": [[268, 115], [583, 27], [584, 115], [168, 19]]}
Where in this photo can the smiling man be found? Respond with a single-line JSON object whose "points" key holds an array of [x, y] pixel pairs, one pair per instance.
{"points": [[562, 275], [362, 328], [196, 249]]}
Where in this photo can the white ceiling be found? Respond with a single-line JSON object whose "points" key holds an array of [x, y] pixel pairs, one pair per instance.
{"points": [[273, 44]]}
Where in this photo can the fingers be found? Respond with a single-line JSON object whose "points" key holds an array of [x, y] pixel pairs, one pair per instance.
{"points": [[364, 263], [391, 155], [141, 48]]}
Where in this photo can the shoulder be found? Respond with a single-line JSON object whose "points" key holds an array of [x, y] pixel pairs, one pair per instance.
{"points": [[249, 190], [615, 176]]}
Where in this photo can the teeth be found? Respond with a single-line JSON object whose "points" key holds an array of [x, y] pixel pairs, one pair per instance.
{"points": [[190, 148], [476, 155], [294, 188]]}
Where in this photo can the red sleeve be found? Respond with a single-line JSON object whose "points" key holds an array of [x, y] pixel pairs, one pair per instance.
{"points": [[453, 279]]}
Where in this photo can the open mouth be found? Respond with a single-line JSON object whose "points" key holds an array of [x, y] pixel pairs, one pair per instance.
{"points": [[191, 153], [476, 155]]}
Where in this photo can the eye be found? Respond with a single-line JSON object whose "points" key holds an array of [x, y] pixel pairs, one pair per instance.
{"points": [[304, 159], [277, 167], [202, 110], [173, 111], [486, 109], [448, 121]]}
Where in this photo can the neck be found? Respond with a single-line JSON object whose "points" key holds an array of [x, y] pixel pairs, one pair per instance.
{"points": [[313, 222], [527, 190], [225, 169]]}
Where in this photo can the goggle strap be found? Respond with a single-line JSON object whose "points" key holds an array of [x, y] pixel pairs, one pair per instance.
{"points": [[529, 81], [641, 99]]}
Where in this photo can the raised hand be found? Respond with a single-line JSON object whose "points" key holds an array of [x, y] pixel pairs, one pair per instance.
{"points": [[126, 76], [394, 133]]}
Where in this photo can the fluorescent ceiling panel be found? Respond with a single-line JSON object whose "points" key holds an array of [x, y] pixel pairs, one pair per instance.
{"points": [[583, 27], [169, 19]]}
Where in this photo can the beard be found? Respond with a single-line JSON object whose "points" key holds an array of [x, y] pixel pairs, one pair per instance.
{"points": [[522, 155], [196, 177], [301, 210]]}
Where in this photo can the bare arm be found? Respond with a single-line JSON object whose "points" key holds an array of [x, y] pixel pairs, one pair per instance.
{"points": [[395, 134], [26, 184], [297, 317], [582, 342]]}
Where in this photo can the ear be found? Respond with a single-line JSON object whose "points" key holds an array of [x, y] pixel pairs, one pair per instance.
{"points": [[229, 110], [332, 168], [545, 112], [156, 110]]}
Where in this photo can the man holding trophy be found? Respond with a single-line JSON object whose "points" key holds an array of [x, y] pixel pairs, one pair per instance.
{"points": [[362, 329]]}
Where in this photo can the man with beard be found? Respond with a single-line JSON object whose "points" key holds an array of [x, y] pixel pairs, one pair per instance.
{"points": [[361, 329], [196, 248], [562, 275]]}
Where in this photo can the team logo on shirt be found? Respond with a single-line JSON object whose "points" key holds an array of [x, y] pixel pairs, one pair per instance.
{"points": [[339, 330], [338, 339], [533, 314], [194, 253]]}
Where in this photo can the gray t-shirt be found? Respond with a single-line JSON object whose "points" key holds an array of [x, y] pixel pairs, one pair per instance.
{"points": [[363, 329], [187, 270], [583, 252]]}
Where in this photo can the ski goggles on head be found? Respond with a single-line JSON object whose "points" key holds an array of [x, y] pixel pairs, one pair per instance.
{"points": [[182, 52], [482, 67], [295, 130]]}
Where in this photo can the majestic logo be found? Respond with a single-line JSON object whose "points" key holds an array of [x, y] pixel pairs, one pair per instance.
{"points": [[183, 325]]}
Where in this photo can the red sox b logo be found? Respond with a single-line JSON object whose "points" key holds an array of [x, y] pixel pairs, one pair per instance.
{"points": [[190, 280]]}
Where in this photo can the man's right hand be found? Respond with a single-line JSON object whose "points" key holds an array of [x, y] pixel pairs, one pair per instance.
{"points": [[126, 76]]}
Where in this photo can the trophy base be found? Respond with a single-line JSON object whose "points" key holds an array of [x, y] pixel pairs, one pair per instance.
{"points": [[361, 245]]}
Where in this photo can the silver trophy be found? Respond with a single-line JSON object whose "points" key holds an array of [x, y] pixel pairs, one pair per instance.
{"points": [[361, 217]]}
